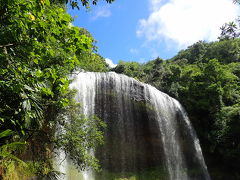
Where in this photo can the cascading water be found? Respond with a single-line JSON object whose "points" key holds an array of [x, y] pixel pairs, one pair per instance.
{"points": [[148, 134], [86, 96]]}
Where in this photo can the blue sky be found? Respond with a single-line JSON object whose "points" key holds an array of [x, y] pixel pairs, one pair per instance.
{"points": [[134, 30]]}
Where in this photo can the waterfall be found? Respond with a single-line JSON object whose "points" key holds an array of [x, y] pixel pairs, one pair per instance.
{"points": [[148, 133], [86, 96]]}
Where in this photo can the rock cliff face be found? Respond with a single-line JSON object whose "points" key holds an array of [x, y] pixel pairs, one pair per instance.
{"points": [[146, 129]]}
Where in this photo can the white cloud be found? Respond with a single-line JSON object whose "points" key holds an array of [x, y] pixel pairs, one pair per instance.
{"points": [[184, 22], [110, 63], [155, 4], [101, 11], [134, 51]]}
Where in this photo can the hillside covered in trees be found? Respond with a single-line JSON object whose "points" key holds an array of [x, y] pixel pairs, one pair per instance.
{"points": [[205, 78]]}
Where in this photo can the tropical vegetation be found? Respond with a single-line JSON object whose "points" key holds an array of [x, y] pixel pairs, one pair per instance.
{"points": [[39, 49]]}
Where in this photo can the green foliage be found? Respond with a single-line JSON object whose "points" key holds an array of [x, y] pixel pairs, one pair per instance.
{"points": [[94, 63], [226, 51], [39, 49], [132, 69], [79, 135], [229, 31], [6, 133], [75, 3], [12, 170], [42, 53], [82, 136], [7, 149], [10, 165], [194, 53]]}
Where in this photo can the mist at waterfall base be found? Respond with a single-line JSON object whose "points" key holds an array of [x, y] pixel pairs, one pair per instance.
{"points": [[148, 134]]}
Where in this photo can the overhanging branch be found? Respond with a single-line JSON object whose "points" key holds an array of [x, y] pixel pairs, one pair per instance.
{"points": [[2, 46]]}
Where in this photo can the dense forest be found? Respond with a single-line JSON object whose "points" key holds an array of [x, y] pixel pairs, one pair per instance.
{"points": [[39, 49], [205, 79]]}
